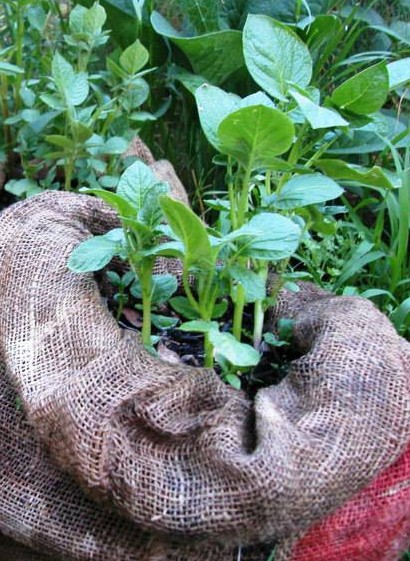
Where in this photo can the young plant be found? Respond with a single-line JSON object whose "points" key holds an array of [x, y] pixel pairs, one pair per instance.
{"points": [[138, 241], [216, 266], [75, 118]]}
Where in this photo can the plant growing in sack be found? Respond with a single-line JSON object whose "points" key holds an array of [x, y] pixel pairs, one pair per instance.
{"points": [[272, 144]]}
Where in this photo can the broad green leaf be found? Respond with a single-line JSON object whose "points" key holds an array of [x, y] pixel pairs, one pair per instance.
{"points": [[238, 354], [192, 233], [94, 19], [213, 106], [76, 19], [191, 81], [275, 56], [83, 20], [364, 93], [93, 254], [213, 55], [375, 176], [163, 287], [233, 380], [136, 95], [134, 57], [21, 187], [73, 87], [135, 182], [150, 213], [399, 72], [115, 145], [163, 322], [252, 283], [202, 15], [271, 237], [199, 326], [121, 205], [182, 306], [166, 249], [255, 135], [303, 190], [318, 117]]}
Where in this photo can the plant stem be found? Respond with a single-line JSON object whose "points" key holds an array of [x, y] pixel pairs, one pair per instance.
{"points": [[19, 38], [238, 312], [243, 200], [145, 276], [240, 291], [209, 352], [231, 193], [259, 314]]}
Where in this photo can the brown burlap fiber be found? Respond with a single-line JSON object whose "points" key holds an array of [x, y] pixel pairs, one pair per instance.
{"points": [[172, 449]]}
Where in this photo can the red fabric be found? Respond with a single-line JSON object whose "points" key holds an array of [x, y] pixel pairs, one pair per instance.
{"points": [[372, 526]]}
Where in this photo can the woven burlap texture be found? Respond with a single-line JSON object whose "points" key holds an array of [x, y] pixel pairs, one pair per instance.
{"points": [[171, 448]]}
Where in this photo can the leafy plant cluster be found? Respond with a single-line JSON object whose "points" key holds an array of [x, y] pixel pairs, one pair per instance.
{"points": [[272, 144], [66, 118]]}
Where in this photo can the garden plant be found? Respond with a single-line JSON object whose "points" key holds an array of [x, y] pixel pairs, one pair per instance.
{"points": [[288, 123]]}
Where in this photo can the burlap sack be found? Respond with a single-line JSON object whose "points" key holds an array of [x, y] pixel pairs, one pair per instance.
{"points": [[172, 449]]}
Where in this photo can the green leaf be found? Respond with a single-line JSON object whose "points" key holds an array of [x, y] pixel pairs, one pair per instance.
{"points": [[207, 53], [199, 326], [275, 56], [233, 380], [220, 309], [115, 145], [213, 106], [182, 306], [94, 19], [20, 187], [9, 69], [365, 92], [375, 176], [163, 322], [271, 237], [135, 182], [271, 339], [163, 287], [252, 283], [255, 135], [318, 117], [121, 205], [399, 72], [134, 57], [59, 140], [72, 86], [238, 354], [303, 190], [401, 314], [192, 233], [93, 254]]}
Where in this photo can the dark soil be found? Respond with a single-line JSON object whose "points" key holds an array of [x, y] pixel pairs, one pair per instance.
{"points": [[189, 349]]}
